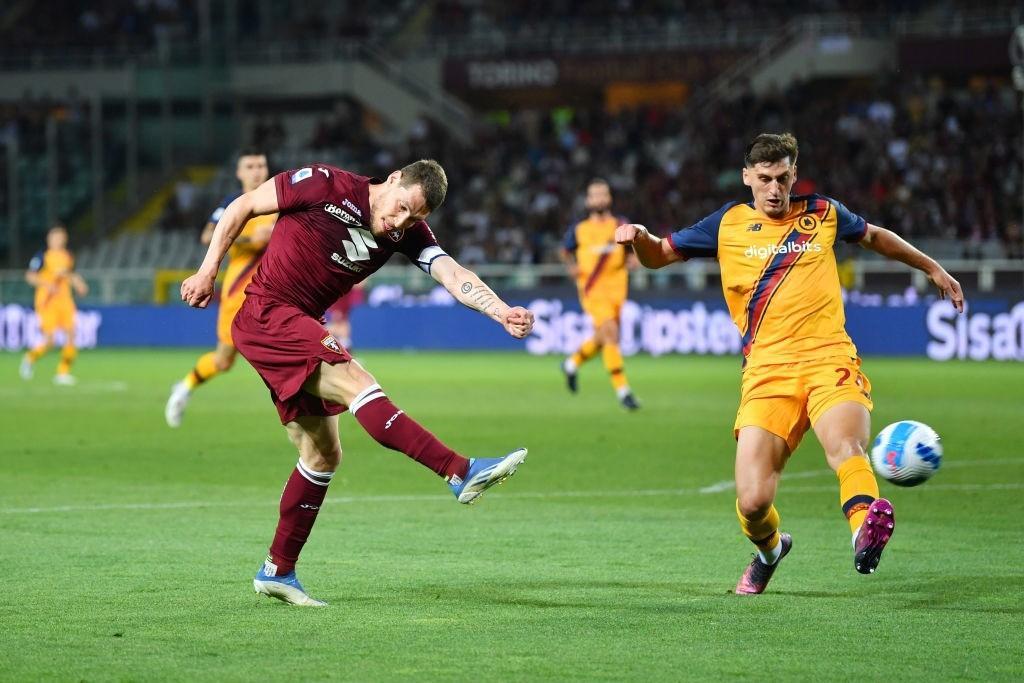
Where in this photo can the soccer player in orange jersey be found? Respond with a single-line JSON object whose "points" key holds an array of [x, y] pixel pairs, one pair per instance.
{"points": [[600, 268], [243, 257], [801, 370], [52, 273]]}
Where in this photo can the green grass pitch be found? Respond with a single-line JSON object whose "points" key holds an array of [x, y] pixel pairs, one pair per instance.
{"points": [[129, 548]]}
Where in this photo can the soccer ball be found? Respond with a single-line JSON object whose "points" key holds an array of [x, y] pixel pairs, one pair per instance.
{"points": [[907, 453]]}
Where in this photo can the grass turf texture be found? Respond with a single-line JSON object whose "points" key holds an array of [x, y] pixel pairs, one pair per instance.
{"points": [[129, 548]]}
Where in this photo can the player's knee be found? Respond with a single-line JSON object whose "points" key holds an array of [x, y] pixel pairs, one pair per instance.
{"points": [[843, 449], [351, 381], [224, 362], [322, 456], [754, 501], [295, 435]]}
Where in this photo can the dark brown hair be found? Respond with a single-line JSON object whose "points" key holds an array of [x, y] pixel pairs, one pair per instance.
{"points": [[769, 148], [251, 152], [429, 175]]}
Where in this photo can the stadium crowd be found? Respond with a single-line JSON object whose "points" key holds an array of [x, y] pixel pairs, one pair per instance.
{"points": [[923, 157], [108, 23]]}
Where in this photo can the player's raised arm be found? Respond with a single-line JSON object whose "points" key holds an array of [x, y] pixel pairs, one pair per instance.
{"points": [[469, 290], [198, 289], [892, 246], [651, 251]]}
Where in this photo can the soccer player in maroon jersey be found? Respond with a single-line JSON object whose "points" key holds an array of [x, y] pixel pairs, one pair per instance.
{"points": [[335, 229]]}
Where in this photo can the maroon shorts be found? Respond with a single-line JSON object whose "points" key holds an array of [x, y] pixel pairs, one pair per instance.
{"points": [[286, 346]]}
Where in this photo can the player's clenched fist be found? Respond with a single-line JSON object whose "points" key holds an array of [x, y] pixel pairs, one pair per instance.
{"points": [[518, 322], [197, 290], [629, 232]]}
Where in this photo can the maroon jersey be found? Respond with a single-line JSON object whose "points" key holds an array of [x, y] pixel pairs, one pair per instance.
{"points": [[322, 245]]}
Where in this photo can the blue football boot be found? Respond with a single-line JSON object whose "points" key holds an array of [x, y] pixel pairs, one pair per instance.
{"points": [[285, 588], [484, 473]]}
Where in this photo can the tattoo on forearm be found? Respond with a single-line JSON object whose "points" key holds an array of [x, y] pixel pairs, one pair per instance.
{"points": [[481, 298]]}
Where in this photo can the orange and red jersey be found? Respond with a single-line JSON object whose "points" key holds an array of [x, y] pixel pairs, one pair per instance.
{"points": [[779, 276], [601, 262]]}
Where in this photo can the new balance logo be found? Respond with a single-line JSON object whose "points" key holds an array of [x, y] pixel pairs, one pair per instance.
{"points": [[754, 227], [387, 425], [359, 248], [341, 214]]}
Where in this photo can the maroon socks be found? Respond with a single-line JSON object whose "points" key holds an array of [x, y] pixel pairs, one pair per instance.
{"points": [[394, 429], [300, 502]]}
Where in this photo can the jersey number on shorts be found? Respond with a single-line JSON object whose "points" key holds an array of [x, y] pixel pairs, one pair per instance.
{"points": [[359, 248]]}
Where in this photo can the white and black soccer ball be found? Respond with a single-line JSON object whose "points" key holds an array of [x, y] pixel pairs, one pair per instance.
{"points": [[907, 453]]}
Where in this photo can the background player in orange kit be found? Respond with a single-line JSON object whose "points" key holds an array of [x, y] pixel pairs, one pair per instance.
{"points": [[600, 268], [801, 370], [52, 273], [243, 257]]}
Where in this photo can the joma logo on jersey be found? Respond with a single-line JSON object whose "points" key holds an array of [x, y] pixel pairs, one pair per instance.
{"points": [[341, 214], [774, 249], [349, 205]]}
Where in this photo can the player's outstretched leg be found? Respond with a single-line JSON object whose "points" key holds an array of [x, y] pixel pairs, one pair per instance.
{"points": [[303, 495], [484, 473], [873, 535], [393, 429]]}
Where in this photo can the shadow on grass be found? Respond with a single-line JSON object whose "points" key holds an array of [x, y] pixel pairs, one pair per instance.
{"points": [[981, 594]]}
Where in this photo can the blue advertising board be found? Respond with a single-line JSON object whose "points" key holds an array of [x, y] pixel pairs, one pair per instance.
{"points": [[989, 329]]}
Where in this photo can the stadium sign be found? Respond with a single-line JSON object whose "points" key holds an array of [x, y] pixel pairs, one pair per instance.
{"points": [[975, 335], [19, 329], [692, 329], [584, 71]]}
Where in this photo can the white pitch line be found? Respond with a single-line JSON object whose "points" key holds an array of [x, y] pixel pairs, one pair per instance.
{"points": [[75, 390], [1008, 486], [539, 495], [729, 484]]}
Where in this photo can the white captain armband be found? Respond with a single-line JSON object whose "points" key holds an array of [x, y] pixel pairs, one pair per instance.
{"points": [[428, 256]]}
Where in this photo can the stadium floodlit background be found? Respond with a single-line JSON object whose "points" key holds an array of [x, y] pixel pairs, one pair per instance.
{"points": [[129, 546]]}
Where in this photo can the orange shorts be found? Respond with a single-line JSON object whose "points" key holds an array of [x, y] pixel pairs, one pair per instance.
{"points": [[56, 315], [229, 307], [601, 309], [788, 398]]}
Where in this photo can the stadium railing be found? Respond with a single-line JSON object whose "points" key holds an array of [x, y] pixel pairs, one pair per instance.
{"points": [[149, 285]]}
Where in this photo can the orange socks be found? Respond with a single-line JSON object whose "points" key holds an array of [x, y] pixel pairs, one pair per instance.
{"points": [[857, 489], [206, 368]]}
